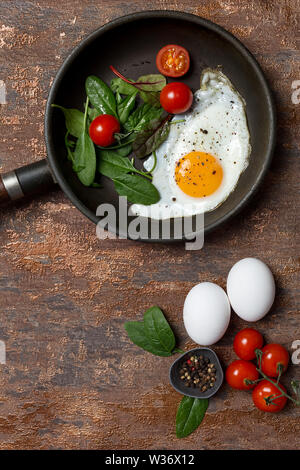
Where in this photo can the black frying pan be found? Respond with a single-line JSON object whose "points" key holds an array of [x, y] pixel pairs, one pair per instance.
{"points": [[130, 43]]}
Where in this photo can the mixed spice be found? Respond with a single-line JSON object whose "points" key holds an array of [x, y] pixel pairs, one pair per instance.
{"points": [[198, 371]]}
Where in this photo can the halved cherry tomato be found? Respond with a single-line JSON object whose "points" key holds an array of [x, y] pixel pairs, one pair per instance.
{"points": [[176, 97], [245, 343], [238, 372], [273, 356], [103, 128], [173, 60], [264, 394]]}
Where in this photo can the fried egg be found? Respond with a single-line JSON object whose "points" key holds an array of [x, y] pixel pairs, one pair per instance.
{"points": [[207, 149]]}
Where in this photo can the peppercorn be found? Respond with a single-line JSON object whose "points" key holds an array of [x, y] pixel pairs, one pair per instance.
{"points": [[198, 371]]}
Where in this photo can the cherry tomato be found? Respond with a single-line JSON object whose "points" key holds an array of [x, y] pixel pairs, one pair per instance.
{"points": [[264, 390], [103, 128], [245, 343], [273, 356], [176, 97], [238, 372], [173, 60]]}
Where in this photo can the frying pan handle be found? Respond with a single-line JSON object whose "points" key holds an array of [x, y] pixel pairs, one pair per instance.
{"points": [[25, 181]]}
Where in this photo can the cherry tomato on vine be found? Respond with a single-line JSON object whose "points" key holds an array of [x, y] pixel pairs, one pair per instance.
{"points": [[238, 372], [173, 60], [103, 128], [261, 394], [273, 356], [245, 343], [176, 97]]}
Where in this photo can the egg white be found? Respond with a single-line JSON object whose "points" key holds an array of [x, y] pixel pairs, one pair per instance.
{"points": [[217, 125]]}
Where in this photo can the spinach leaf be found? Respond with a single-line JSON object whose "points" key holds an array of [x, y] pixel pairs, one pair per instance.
{"points": [[69, 147], [112, 165], [92, 113], [118, 98], [151, 138], [151, 97], [158, 329], [100, 95], [189, 415], [146, 334], [136, 333], [74, 119], [141, 117], [85, 159], [138, 190], [118, 85], [84, 162], [121, 151], [125, 107]]}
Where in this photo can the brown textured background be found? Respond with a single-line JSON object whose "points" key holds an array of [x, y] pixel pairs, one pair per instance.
{"points": [[72, 379]]}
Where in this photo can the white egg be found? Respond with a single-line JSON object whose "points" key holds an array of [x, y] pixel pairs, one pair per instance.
{"points": [[199, 164], [251, 289], [206, 313]]}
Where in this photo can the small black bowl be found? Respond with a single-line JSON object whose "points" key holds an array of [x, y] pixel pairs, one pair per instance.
{"points": [[179, 385]]}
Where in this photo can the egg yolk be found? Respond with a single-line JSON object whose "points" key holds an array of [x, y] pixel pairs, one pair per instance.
{"points": [[198, 174]]}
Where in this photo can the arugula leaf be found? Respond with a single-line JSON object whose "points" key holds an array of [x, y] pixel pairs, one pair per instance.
{"points": [[100, 95], [84, 162], [141, 117], [138, 190], [136, 333], [74, 119], [151, 138], [190, 414], [158, 329], [125, 107], [118, 85]]}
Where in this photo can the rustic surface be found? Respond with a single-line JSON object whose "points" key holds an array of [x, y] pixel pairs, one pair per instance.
{"points": [[72, 378]]}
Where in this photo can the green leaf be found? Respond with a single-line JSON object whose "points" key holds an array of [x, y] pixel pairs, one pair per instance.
{"points": [[122, 151], [85, 159], [137, 189], [151, 138], [125, 107], [151, 82], [110, 164], [190, 414], [151, 97], [84, 162], [136, 333], [101, 96], [74, 119], [158, 329], [124, 88], [92, 113], [141, 117]]}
